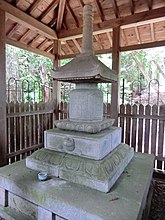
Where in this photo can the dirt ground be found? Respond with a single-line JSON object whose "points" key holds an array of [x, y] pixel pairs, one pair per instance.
{"points": [[157, 210]]}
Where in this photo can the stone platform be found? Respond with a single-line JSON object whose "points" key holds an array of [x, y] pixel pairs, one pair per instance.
{"points": [[94, 146], [23, 197]]}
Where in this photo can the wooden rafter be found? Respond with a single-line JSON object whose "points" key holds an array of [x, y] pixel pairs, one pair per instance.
{"points": [[34, 6], [60, 16], [109, 38], [12, 31], [49, 48], [131, 21], [99, 9], [152, 32], [27, 21], [69, 49], [34, 40], [81, 3], [150, 4], [132, 6], [98, 41], [28, 48], [115, 8], [51, 7], [24, 36], [77, 45], [72, 14], [137, 35], [123, 36], [43, 43]]}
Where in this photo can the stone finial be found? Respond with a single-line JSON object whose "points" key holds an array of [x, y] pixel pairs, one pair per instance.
{"points": [[87, 42]]}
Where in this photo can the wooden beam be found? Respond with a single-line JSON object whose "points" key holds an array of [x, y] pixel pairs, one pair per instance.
{"points": [[97, 52], [109, 38], [143, 46], [128, 21], [27, 21], [24, 36], [29, 48], [51, 7], [122, 34], [99, 9], [72, 14], [12, 31], [150, 4], [49, 48], [132, 6], [116, 67], [3, 127], [60, 16], [34, 40], [42, 44], [98, 41], [115, 8], [152, 32], [77, 45], [137, 35], [34, 6]]}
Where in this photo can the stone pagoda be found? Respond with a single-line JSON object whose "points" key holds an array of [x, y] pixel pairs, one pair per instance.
{"points": [[85, 148]]}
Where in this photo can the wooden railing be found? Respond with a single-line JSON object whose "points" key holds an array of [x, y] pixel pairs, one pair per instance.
{"points": [[26, 123]]}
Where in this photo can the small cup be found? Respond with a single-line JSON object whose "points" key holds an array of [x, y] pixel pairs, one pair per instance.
{"points": [[42, 176]]}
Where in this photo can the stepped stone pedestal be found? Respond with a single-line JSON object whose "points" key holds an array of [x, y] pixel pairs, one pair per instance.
{"points": [[23, 197]]}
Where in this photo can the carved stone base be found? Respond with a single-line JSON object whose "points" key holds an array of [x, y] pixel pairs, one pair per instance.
{"points": [[100, 175], [86, 126], [94, 146]]}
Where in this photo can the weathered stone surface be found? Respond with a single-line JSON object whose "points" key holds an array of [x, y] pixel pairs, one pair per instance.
{"points": [[86, 103], [44, 214], [94, 146], [89, 127], [23, 206], [3, 197], [100, 175], [125, 201]]}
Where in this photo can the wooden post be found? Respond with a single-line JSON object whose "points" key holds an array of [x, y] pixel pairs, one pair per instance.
{"points": [[3, 127], [56, 84], [116, 68]]}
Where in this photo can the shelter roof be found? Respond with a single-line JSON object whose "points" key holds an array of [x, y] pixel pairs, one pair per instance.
{"points": [[35, 24]]}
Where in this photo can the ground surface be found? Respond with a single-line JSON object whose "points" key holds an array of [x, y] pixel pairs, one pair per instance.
{"points": [[157, 211]]}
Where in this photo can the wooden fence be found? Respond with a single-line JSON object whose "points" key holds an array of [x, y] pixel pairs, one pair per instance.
{"points": [[143, 128], [26, 123]]}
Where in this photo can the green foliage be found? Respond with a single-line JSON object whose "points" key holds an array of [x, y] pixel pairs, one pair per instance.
{"points": [[32, 69]]}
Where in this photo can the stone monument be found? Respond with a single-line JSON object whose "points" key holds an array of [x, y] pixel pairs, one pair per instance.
{"points": [[86, 148]]}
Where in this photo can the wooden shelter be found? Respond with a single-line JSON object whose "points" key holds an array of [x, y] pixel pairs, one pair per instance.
{"points": [[53, 28]]}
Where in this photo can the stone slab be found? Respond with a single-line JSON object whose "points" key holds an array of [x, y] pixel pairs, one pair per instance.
{"points": [[94, 146], [100, 175], [84, 126], [125, 201]]}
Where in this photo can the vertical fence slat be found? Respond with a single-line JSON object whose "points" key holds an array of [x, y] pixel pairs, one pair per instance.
{"points": [[122, 119], [128, 124], [147, 129], [140, 128], [161, 138], [134, 127], [154, 130]]}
